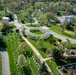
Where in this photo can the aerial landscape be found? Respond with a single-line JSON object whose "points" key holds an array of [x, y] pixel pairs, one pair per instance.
{"points": [[37, 37]]}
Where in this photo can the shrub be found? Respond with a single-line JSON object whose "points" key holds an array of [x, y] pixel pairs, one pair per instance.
{"points": [[70, 73], [2, 13], [64, 69]]}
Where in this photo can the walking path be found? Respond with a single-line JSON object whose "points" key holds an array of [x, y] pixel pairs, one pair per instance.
{"points": [[45, 59], [36, 52], [5, 63]]}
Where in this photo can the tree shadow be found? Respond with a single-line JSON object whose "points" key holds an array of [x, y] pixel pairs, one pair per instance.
{"points": [[28, 54], [27, 70], [2, 49], [60, 62], [43, 49], [6, 33], [2, 43]]}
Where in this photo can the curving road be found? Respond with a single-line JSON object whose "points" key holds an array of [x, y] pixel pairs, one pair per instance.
{"points": [[64, 38], [21, 26]]}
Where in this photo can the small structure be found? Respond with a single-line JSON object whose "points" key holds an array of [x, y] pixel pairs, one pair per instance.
{"points": [[52, 21], [6, 18], [44, 30], [68, 18]]}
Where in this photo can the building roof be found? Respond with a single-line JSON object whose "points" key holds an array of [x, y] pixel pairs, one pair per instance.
{"points": [[6, 18]]}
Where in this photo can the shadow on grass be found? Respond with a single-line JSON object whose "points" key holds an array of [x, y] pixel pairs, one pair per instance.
{"points": [[6, 33], [60, 62], [27, 70], [28, 54], [43, 49]]}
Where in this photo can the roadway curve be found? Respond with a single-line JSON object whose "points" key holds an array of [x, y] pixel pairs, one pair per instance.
{"points": [[64, 38]]}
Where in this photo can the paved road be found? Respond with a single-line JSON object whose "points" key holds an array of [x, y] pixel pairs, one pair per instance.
{"points": [[5, 63], [21, 26], [64, 38]]}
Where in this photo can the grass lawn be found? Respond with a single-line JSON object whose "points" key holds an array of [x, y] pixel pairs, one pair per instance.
{"points": [[36, 31], [33, 25], [43, 50], [0, 64], [53, 66], [12, 41], [51, 63], [33, 67], [57, 29]]}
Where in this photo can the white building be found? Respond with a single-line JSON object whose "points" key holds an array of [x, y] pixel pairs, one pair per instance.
{"points": [[6, 18]]}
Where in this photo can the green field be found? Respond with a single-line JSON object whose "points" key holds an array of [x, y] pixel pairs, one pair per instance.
{"points": [[0, 64]]}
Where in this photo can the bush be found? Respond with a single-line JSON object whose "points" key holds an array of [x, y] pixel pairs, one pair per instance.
{"points": [[57, 54], [69, 26], [2, 13], [71, 59], [64, 69], [70, 73], [10, 16]]}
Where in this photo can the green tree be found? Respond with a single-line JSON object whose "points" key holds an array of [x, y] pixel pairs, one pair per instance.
{"points": [[2, 42], [49, 16], [5, 26], [13, 6], [43, 69], [57, 54], [41, 18], [39, 5], [63, 25], [30, 10], [21, 60], [74, 26], [23, 47], [40, 42], [2, 13]]}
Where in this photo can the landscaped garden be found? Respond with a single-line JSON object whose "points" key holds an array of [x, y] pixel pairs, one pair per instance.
{"points": [[35, 31], [33, 25], [35, 14], [45, 49], [0, 64], [30, 67]]}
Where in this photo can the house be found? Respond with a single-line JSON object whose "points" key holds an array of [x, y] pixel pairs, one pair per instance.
{"points": [[68, 18], [6, 18]]}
